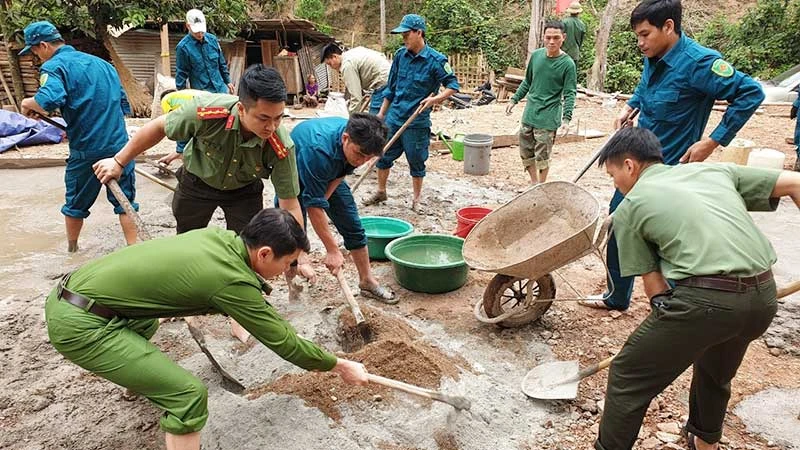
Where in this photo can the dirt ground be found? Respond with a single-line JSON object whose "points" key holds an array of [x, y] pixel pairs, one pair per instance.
{"points": [[433, 341]]}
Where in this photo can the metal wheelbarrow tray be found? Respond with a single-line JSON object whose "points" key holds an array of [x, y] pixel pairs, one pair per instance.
{"points": [[539, 231]]}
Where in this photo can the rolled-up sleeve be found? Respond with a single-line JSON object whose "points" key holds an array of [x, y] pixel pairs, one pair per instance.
{"points": [[313, 169], [755, 185]]}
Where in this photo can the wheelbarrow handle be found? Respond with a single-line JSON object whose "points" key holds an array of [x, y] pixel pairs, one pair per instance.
{"points": [[605, 231]]}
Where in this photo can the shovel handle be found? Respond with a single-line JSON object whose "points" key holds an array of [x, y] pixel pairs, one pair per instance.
{"points": [[349, 297], [154, 179], [594, 368], [391, 142], [116, 191], [789, 289], [634, 112]]}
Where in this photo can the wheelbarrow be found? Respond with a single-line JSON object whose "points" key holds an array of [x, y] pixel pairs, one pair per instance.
{"points": [[524, 241], [528, 238]]}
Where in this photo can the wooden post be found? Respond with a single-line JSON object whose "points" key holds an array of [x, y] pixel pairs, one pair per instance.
{"points": [[535, 30], [597, 75], [383, 24], [166, 68]]}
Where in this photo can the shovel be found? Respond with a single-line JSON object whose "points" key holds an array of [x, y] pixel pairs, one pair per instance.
{"points": [[391, 142], [559, 380], [361, 323], [457, 402]]}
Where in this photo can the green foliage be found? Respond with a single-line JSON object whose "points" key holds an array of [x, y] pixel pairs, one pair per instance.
{"points": [[764, 43], [313, 10], [472, 25], [624, 59], [225, 17]]}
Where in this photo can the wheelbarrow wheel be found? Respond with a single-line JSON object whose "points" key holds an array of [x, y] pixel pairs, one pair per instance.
{"points": [[505, 293]]}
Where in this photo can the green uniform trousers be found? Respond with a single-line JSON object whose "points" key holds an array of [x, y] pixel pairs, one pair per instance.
{"points": [[706, 328], [119, 350]]}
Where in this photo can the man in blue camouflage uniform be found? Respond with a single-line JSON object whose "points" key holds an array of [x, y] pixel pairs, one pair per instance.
{"points": [[680, 82], [199, 58], [417, 72], [89, 95]]}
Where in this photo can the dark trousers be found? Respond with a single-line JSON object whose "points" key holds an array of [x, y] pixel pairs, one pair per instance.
{"points": [[708, 329], [620, 299], [194, 202]]}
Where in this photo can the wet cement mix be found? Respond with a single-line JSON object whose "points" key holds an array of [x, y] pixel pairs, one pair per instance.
{"points": [[432, 341]]}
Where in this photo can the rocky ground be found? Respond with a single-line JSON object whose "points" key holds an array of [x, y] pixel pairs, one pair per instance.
{"points": [[430, 340]]}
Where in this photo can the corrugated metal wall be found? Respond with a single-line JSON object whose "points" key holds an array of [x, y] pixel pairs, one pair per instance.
{"points": [[140, 49]]}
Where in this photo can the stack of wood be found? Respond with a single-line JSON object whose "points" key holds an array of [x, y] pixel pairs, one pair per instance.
{"points": [[509, 83]]}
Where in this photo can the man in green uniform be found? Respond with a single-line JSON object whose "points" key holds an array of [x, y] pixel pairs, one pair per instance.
{"points": [[104, 325], [549, 80], [689, 224], [575, 30], [234, 142]]}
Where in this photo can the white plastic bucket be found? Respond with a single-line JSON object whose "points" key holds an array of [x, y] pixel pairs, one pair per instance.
{"points": [[477, 152]]}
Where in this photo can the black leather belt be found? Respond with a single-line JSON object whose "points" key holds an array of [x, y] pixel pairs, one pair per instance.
{"points": [[726, 283], [82, 302]]}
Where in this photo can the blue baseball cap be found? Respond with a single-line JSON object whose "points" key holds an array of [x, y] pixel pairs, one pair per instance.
{"points": [[39, 32], [410, 22]]}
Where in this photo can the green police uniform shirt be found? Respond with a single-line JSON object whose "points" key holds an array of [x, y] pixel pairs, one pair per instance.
{"points": [[692, 220], [199, 272], [218, 154]]}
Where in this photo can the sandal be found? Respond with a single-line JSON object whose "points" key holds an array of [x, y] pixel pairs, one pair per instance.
{"points": [[380, 294], [594, 303], [378, 197]]}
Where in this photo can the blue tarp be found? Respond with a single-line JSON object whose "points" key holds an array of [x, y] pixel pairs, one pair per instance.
{"points": [[16, 129]]}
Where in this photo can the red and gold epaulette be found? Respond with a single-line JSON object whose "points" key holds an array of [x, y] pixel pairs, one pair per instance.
{"points": [[277, 146], [212, 112]]}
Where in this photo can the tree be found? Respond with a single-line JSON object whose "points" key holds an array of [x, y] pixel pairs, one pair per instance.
{"points": [[598, 74]]}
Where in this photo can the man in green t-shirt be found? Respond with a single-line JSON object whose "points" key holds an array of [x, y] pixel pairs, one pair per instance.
{"points": [[689, 224], [234, 142], [104, 325], [549, 80], [575, 30]]}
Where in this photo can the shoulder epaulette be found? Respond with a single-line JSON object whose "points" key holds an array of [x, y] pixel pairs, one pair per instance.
{"points": [[212, 112], [277, 146]]}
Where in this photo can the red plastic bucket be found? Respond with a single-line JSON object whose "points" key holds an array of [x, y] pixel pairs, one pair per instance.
{"points": [[468, 217]]}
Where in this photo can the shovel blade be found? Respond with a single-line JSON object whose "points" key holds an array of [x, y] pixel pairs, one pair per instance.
{"points": [[556, 380]]}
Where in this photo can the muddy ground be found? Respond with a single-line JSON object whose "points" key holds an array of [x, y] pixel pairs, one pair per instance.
{"points": [[434, 341]]}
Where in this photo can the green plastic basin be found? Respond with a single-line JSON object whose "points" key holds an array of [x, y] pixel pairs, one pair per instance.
{"points": [[382, 230], [430, 263]]}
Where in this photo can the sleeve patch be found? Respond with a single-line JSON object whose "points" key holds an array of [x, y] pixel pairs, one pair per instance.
{"points": [[42, 79], [447, 67], [722, 68]]}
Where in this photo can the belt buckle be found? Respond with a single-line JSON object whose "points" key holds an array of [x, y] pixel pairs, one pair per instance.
{"points": [[61, 284]]}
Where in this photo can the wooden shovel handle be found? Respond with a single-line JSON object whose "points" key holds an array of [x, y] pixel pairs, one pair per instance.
{"points": [[349, 297], [789, 289], [113, 186], [400, 386], [594, 368], [391, 142]]}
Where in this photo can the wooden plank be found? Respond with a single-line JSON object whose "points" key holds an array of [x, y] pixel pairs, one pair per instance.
{"points": [[289, 68], [269, 48]]}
